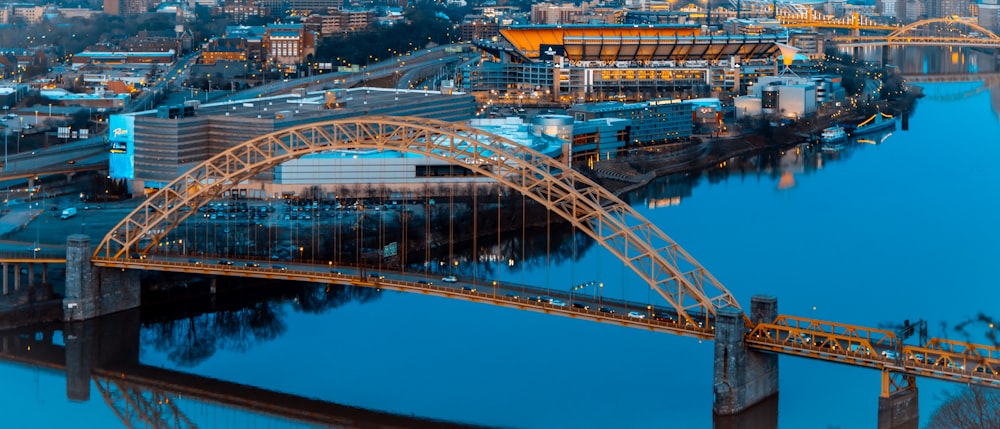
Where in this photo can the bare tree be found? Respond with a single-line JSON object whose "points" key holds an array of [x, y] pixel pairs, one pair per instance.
{"points": [[972, 407]]}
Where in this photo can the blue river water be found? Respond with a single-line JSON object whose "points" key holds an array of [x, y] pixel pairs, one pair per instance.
{"points": [[900, 228]]}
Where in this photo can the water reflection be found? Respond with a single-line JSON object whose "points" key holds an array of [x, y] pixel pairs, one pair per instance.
{"points": [[194, 331], [931, 60], [780, 165], [101, 355]]}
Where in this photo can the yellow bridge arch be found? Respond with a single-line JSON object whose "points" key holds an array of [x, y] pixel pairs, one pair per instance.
{"points": [[906, 31], [658, 260]]}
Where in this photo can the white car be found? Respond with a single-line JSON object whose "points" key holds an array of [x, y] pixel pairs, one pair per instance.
{"points": [[636, 315], [449, 279], [557, 303]]}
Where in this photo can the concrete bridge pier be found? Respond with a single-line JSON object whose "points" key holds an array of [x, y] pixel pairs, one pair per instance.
{"points": [[5, 288], [898, 408], [95, 291], [743, 377]]}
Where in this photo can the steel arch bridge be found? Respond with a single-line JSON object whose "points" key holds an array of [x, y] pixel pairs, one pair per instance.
{"points": [[657, 259], [914, 34]]}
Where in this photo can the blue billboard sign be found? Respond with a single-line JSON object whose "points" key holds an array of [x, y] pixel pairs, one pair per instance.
{"points": [[121, 140]]}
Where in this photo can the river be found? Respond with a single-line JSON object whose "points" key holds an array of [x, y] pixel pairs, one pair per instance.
{"points": [[876, 234]]}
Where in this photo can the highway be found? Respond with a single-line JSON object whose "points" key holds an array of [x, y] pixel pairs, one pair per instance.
{"points": [[381, 70]]}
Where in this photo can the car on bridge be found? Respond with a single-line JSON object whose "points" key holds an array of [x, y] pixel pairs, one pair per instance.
{"points": [[424, 282], [194, 261], [253, 264], [636, 315], [279, 267], [581, 306], [225, 262], [608, 310], [557, 303], [376, 276], [663, 317], [468, 289], [449, 279]]}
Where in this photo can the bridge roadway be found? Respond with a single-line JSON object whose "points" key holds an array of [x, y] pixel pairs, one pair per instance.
{"points": [[987, 78], [814, 339], [130, 384], [862, 41]]}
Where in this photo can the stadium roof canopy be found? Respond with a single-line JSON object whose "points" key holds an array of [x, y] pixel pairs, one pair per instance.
{"points": [[644, 49], [528, 39], [640, 43]]}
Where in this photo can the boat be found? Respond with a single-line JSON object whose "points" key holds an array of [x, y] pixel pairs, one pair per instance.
{"points": [[878, 121], [833, 134], [833, 138]]}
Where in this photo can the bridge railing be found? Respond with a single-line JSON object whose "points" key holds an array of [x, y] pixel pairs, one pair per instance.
{"points": [[810, 335], [878, 348], [30, 255], [501, 292]]}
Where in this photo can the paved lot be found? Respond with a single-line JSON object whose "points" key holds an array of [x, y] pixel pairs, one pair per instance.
{"points": [[48, 228], [17, 219]]}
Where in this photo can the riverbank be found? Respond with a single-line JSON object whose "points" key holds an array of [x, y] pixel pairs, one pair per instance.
{"points": [[638, 170]]}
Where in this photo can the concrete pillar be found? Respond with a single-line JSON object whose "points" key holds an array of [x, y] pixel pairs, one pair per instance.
{"points": [[93, 292], [17, 277], [31, 275], [45, 272], [743, 377], [763, 415], [898, 409], [120, 289], [5, 278], [82, 290]]}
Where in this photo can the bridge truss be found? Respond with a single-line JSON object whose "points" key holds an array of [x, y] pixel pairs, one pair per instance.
{"points": [[668, 270], [949, 31], [815, 19]]}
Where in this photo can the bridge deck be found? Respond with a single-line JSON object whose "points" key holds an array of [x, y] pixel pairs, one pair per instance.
{"points": [[814, 339]]}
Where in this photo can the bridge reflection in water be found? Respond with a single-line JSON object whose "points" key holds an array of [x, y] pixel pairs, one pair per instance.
{"points": [[105, 351], [100, 358]]}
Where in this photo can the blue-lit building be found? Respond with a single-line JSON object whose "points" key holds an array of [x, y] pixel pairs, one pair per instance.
{"points": [[152, 148], [652, 122]]}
